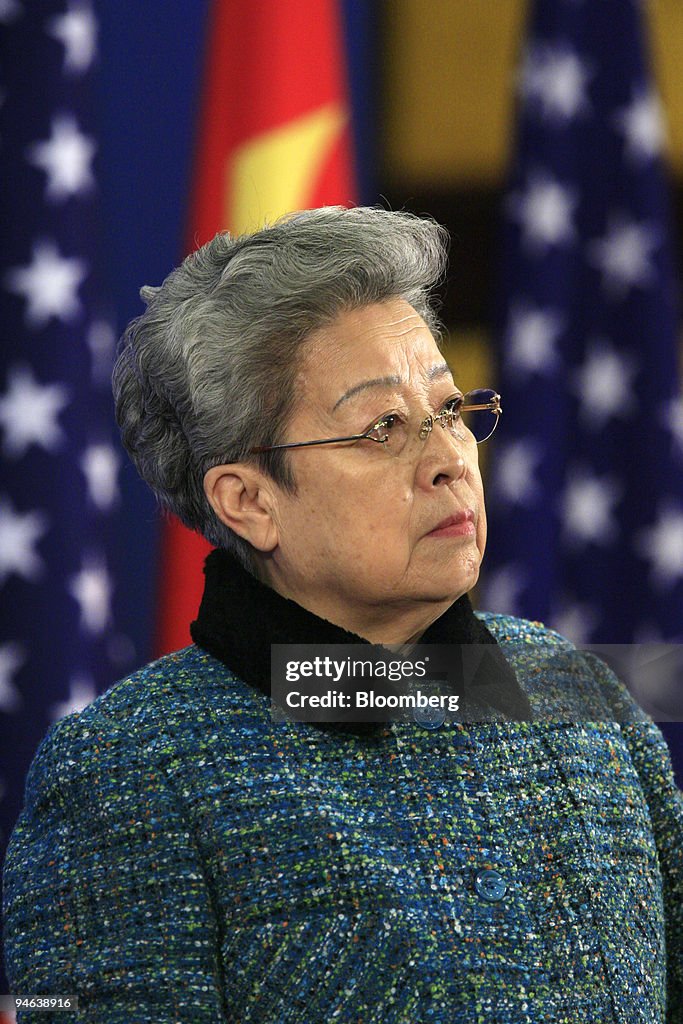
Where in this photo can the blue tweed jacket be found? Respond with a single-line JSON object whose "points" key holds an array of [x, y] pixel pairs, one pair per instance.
{"points": [[183, 858]]}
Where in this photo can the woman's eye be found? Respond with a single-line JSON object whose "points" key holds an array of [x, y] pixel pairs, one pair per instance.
{"points": [[387, 429], [452, 405], [390, 421]]}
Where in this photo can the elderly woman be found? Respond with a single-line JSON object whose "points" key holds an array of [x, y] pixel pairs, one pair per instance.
{"points": [[185, 856]]}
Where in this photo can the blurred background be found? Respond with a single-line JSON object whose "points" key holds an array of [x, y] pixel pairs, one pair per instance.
{"points": [[547, 136]]}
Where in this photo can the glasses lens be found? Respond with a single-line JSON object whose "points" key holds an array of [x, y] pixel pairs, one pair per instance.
{"points": [[392, 431], [481, 420]]}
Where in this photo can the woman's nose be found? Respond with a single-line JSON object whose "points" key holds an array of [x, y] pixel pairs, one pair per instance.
{"points": [[442, 456]]}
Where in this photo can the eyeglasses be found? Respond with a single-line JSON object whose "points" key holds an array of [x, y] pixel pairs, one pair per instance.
{"points": [[470, 417]]}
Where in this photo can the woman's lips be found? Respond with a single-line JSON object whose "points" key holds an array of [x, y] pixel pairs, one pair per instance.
{"points": [[459, 525]]}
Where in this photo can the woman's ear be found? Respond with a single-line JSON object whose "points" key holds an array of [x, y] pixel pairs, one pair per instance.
{"points": [[241, 497]]}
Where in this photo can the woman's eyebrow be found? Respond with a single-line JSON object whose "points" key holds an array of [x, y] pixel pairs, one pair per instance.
{"points": [[376, 382], [440, 370], [432, 374]]}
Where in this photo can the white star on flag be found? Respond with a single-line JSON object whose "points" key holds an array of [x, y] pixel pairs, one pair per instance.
{"points": [[604, 385], [531, 337], [671, 416], [9, 11], [516, 462], [66, 158], [49, 284], [28, 413], [587, 509], [19, 533], [503, 588], [100, 464], [81, 693], [642, 125], [92, 589], [554, 79], [77, 31], [662, 545], [575, 621], [101, 340], [12, 657], [624, 255], [544, 211]]}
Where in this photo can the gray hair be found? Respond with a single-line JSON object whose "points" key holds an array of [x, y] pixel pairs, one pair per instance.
{"points": [[208, 370]]}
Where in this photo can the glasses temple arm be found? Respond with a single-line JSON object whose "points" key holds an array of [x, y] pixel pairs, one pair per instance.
{"points": [[307, 444]]}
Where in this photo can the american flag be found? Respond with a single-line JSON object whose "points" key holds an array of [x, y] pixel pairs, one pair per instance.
{"points": [[586, 495], [59, 491]]}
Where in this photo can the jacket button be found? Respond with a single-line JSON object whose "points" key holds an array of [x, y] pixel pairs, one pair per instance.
{"points": [[429, 717], [490, 885]]}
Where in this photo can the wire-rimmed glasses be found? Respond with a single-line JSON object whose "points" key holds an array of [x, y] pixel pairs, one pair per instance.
{"points": [[472, 416]]}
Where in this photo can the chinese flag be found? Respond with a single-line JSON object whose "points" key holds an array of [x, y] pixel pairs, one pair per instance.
{"points": [[273, 137]]}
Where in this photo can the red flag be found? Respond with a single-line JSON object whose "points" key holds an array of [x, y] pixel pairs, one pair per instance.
{"points": [[274, 137]]}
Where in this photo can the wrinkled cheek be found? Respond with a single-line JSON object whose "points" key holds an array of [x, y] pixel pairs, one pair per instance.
{"points": [[367, 533], [374, 554]]}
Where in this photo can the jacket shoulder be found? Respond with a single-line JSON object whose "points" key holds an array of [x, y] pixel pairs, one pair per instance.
{"points": [[152, 686], [561, 679], [513, 629], [127, 725]]}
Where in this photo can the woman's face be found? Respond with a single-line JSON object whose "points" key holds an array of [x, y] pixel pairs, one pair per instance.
{"points": [[356, 543]]}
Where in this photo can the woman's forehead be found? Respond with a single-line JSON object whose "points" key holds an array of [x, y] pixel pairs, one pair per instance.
{"points": [[373, 343]]}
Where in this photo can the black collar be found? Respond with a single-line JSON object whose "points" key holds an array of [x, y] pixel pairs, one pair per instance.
{"points": [[240, 617]]}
